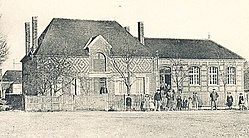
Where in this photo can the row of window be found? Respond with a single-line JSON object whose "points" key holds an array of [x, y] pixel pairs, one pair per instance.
{"points": [[230, 78]]}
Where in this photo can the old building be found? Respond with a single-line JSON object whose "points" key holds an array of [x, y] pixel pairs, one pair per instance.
{"points": [[12, 88], [190, 65], [86, 58], [98, 63], [12, 82], [246, 81]]}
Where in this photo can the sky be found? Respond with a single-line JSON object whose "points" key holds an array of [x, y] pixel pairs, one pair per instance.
{"points": [[227, 21]]}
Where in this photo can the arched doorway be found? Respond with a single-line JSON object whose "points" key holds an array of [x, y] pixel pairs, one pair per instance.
{"points": [[165, 77]]}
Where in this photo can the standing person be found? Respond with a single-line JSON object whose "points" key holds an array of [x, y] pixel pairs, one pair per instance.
{"points": [[128, 102], [157, 99], [174, 99], [190, 103], [171, 99], [167, 88], [163, 86], [229, 100], [151, 104], [184, 103], [241, 101], [214, 97], [178, 102], [195, 100], [164, 99], [146, 104]]}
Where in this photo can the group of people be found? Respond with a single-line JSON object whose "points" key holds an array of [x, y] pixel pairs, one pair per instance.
{"points": [[241, 101], [167, 99], [229, 100]]}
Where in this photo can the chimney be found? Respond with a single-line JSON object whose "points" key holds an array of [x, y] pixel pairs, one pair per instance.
{"points": [[34, 34], [127, 28], [141, 32], [27, 38]]}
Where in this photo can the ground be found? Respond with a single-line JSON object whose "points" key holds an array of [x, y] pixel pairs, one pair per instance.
{"points": [[205, 123]]}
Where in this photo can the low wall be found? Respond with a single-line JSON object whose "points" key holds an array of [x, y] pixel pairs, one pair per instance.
{"points": [[79, 102], [64, 103]]}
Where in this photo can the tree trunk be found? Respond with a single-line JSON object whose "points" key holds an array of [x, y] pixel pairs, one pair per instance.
{"points": [[128, 90]]}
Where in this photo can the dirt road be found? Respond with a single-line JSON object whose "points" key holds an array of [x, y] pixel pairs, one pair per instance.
{"points": [[125, 124]]}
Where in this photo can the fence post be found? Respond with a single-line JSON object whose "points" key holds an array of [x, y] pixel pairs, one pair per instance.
{"points": [[107, 101], [23, 103], [73, 102], [60, 103]]}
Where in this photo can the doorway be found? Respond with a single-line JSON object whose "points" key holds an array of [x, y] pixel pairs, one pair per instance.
{"points": [[165, 77]]}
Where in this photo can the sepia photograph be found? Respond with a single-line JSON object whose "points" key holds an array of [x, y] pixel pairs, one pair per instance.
{"points": [[124, 68]]}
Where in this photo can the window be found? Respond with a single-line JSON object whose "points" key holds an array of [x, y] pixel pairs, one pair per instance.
{"points": [[120, 88], [102, 84], [138, 86], [194, 75], [213, 75], [99, 85], [99, 62], [75, 86], [231, 75]]}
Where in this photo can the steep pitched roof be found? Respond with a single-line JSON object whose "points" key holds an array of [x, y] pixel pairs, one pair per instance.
{"points": [[189, 49], [12, 75], [68, 37]]}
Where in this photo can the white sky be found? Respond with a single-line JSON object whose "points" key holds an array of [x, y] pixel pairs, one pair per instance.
{"points": [[226, 20]]}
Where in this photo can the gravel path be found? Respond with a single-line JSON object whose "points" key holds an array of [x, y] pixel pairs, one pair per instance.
{"points": [[125, 124]]}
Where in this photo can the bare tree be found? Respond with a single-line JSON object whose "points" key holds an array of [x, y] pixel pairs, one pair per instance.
{"points": [[125, 73], [4, 51], [223, 75], [124, 65], [50, 74], [180, 73]]}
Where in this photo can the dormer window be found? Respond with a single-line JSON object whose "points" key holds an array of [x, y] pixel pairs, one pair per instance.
{"points": [[99, 62]]}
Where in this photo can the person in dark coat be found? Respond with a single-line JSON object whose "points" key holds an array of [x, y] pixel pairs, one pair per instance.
{"points": [[157, 99], [128, 102], [241, 101], [229, 100], [184, 103], [178, 102], [214, 97], [171, 100]]}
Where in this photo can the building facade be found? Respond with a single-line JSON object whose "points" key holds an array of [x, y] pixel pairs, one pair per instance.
{"points": [[192, 65], [12, 83], [101, 58]]}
